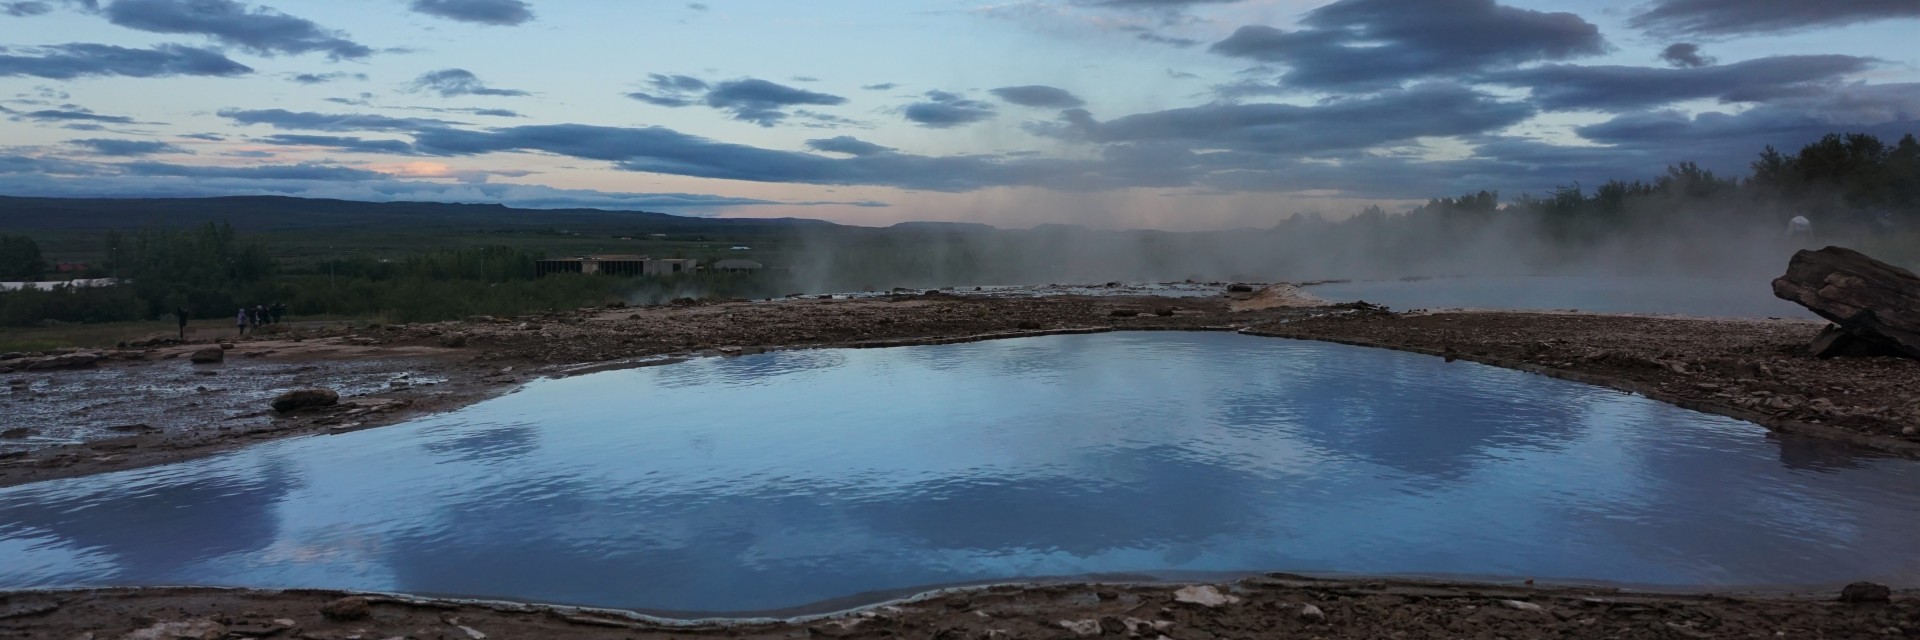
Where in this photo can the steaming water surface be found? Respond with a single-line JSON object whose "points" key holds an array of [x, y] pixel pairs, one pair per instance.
{"points": [[1706, 297], [776, 480]]}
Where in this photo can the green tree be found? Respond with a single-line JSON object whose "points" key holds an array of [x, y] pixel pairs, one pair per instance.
{"points": [[20, 258]]}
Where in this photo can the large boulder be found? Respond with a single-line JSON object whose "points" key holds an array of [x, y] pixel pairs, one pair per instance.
{"points": [[1871, 301], [304, 398], [209, 356]]}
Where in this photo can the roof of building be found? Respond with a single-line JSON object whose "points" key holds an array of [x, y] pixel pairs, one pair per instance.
{"points": [[600, 258]]}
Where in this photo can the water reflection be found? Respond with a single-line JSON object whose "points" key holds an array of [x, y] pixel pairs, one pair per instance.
{"points": [[781, 479]]}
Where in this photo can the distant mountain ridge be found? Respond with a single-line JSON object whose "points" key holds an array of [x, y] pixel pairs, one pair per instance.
{"points": [[281, 213]]}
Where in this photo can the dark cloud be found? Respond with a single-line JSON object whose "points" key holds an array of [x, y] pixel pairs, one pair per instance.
{"points": [[1434, 110], [671, 90], [492, 12], [762, 102], [310, 121], [1169, 40], [204, 136], [944, 110], [1359, 44], [1151, 4], [848, 145], [665, 151], [697, 6], [498, 113], [1734, 17], [112, 147], [1042, 96], [66, 61], [1685, 55], [24, 9], [303, 171], [1616, 88], [1888, 109], [262, 31], [323, 78], [458, 82], [73, 113], [884, 86], [343, 143]]}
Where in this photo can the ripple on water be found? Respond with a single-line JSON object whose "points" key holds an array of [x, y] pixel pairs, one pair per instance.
{"points": [[781, 479]]}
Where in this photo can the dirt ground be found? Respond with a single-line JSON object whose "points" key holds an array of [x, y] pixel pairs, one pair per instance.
{"points": [[1273, 606]]}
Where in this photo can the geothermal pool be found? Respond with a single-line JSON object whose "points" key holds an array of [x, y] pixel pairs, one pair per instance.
{"points": [[1704, 297], [778, 480]]}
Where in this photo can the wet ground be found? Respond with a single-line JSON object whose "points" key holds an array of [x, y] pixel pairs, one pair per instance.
{"points": [[1279, 606], [1669, 295]]}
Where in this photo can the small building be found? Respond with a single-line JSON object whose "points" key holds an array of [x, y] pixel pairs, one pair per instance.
{"points": [[737, 266], [669, 266], [614, 265]]}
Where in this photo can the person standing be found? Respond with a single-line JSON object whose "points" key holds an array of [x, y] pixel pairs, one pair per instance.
{"points": [[181, 315], [240, 321]]}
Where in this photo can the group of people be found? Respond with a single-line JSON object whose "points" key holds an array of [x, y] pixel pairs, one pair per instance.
{"points": [[257, 315], [254, 317]]}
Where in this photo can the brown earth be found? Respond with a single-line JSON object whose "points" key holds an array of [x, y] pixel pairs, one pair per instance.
{"points": [[1754, 370], [1274, 606]]}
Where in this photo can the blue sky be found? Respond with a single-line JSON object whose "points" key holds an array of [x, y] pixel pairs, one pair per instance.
{"points": [[1176, 114]]}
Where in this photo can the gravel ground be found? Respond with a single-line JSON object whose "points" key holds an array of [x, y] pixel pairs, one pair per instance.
{"points": [[1276, 606]]}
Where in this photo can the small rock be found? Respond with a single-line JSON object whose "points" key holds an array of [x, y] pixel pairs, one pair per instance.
{"points": [[1083, 628], [1860, 592], [1204, 595], [225, 346], [1124, 313], [454, 340], [1312, 613], [201, 629], [347, 609], [1239, 288], [1523, 606], [1909, 431], [209, 356], [303, 398], [16, 433]]}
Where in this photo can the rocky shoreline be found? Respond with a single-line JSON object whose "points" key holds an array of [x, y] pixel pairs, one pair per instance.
{"points": [[1274, 605], [150, 404]]}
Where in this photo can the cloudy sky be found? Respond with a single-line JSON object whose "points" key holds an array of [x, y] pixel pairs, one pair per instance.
{"points": [[1177, 114]]}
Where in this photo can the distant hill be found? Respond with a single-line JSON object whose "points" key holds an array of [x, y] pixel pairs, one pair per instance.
{"points": [[276, 213]]}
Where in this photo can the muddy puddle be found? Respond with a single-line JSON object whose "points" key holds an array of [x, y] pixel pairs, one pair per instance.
{"points": [[1701, 297], [777, 480]]}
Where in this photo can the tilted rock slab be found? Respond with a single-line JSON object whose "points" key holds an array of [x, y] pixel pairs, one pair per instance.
{"points": [[1871, 300]]}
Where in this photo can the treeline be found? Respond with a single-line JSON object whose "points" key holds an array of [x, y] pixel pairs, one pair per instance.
{"points": [[210, 272]]}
